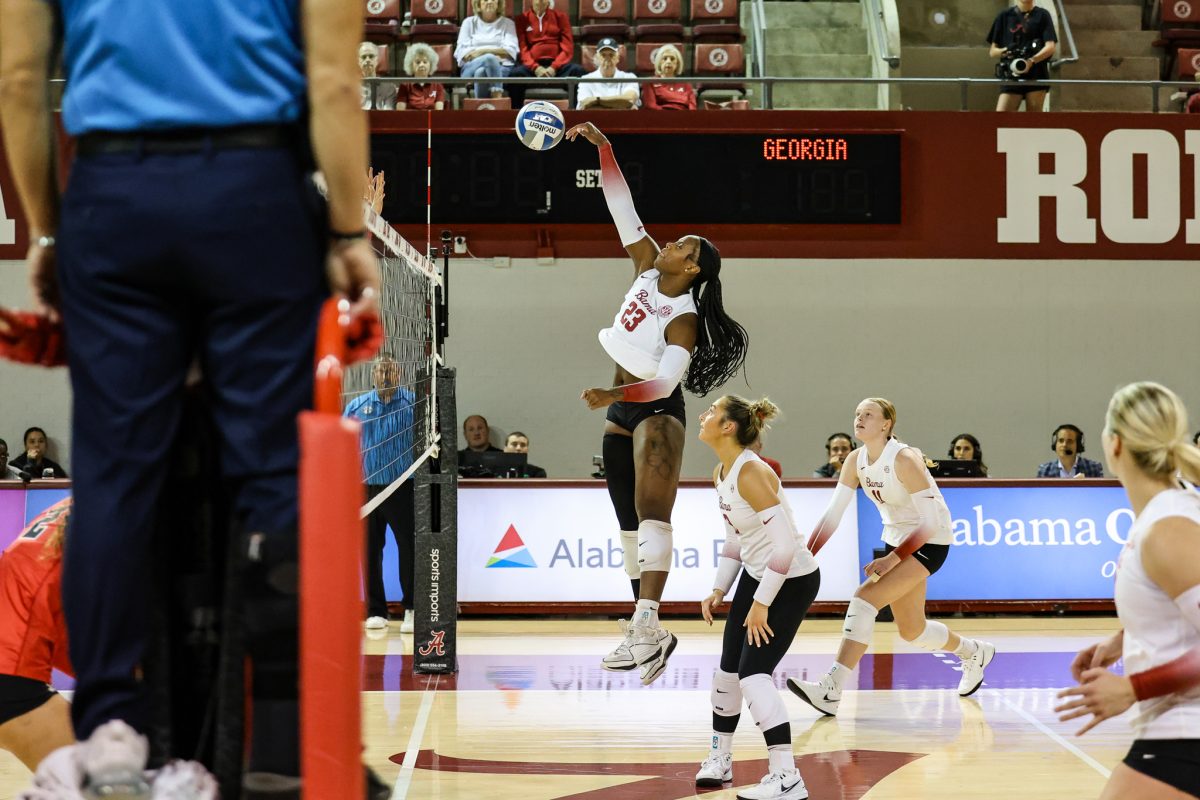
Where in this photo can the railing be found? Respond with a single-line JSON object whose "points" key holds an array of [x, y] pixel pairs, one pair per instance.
{"points": [[1064, 25], [734, 82], [887, 45], [758, 31]]}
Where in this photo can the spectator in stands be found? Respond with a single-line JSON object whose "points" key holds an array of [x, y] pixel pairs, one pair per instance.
{"points": [[837, 447], [419, 62], [668, 96], [1024, 24], [518, 442], [965, 447], [386, 416], [7, 472], [476, 433], [1067, 442], [1196, 439], [34, 460], [378, 95], [756, 447], [546, 48], [613, 94], [487, 46]]}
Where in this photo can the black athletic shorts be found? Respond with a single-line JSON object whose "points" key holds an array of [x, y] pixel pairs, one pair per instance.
{"points": [[931, 556], [21, 695], [630, 415], [1023, 88], [1175, 762]]}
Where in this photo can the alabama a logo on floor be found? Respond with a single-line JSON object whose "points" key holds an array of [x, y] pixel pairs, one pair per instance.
{"points": [[511, 552]]}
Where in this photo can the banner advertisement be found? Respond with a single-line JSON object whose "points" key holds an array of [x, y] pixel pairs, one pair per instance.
{"points": [[562, 545], [1029, 543]]}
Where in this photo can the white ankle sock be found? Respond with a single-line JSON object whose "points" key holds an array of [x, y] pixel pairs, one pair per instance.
{"points": [[966, 648], [722, 744], [838, 673], [780, 758], [646, 614]]}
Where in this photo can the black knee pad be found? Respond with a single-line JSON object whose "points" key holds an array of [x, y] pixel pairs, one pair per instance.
{"points": [[619, 474], [271, 613]]}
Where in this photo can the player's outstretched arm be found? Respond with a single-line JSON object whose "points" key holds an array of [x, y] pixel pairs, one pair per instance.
{"points": [[641, 248], [843, 493]]}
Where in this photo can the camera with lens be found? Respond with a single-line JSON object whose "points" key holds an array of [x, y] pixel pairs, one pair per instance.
{"points": [[1017, 62]]}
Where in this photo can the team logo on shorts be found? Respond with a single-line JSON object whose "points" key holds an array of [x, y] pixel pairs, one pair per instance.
{"points": [[375, 6], [718, 56], [714, 6]]}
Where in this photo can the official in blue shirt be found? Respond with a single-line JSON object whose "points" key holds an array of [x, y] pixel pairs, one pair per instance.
{"points": [[190, 230], [387, 416]]}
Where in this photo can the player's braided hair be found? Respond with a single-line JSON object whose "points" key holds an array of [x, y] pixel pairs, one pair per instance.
{"points": [[721, 343]]}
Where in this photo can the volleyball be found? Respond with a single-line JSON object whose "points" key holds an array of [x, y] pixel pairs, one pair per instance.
{"points": [[540, 125]]}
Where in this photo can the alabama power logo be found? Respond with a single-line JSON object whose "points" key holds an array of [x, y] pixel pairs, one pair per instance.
{"points": [[511, 552]]}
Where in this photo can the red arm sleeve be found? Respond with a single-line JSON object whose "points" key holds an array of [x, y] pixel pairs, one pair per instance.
{"points": [[1175, 676]]}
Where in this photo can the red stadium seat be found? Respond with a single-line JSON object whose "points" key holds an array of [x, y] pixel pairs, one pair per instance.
{"points": [[445, 62], [563, 103], [382, 21], [600, 18], [658, 20], [434, 21], [644, 63], [716, 21], [719, 59], [486, 104], [1175, 12], [588, 57], [384, 65], [1187, 64]]}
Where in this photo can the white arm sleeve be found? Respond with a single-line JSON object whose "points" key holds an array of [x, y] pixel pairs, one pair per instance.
{"points": [[783, 549], [842, 495], [730, 561], [671, 368], [616, 190]]}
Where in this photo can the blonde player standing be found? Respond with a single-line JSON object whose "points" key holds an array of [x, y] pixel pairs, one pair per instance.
{"points": [[916, 522], [1158, 602], [671, 331], [779, 583]]}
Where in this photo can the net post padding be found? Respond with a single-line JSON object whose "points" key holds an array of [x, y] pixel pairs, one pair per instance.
{"points": [[435, 639], [331, 558]]}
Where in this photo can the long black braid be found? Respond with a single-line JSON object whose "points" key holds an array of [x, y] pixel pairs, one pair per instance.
{"points": [[721, 343]]}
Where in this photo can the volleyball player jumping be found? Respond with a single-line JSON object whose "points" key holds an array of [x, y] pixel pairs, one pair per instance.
{"points": [[779, 583], [916, 522], [1158, 603], [671, 328]]}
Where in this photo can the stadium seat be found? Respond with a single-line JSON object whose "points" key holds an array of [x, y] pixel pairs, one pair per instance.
{"points": [[486, 104], [719, 59], [644, 62], [658, 20], [382, 21], [600, 18], [434, 21], [587, 57], [445, 59], [1187, 64], [384, 67], [715, 21]]}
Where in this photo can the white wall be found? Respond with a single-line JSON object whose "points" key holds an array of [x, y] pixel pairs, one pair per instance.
{"points": [[31, 395], [1004, 349]]}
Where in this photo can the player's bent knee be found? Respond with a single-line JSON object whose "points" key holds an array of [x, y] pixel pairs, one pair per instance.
{"points": [[764, 701], [726, 694], [933, 637], [860, 621], [629, 553], [655, 546]]}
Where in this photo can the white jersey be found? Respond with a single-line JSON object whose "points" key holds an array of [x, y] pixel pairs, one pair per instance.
{"points": [[753, 540], [638, 335], [894, 502], [1156, 632]]}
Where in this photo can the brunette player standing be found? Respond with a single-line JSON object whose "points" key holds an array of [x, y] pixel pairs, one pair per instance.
{"points": [[670, 329]]}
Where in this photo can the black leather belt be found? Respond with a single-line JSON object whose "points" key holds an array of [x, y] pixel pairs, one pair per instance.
{"points": [[190, 140]]}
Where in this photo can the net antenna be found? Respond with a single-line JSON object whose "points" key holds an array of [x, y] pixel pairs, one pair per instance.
{"points": [[406, 436]]}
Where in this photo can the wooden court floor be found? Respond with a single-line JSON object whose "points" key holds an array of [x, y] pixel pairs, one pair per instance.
{"points": [[531, 715]]}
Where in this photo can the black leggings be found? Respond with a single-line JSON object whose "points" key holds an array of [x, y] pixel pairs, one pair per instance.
{"points": [[620, 476], [784, 616]]}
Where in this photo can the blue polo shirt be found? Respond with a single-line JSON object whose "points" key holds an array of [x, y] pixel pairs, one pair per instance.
{"points": [[146, 65], [387, 434]]}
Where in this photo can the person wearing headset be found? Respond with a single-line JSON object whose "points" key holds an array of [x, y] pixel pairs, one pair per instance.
{"points": [[965, 447], [1067, 443], [837, 447]]}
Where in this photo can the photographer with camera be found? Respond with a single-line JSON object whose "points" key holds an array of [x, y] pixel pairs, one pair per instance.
{"points": [[1023, 38]]}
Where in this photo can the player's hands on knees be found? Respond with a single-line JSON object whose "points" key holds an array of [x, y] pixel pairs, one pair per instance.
{"points": [[758, 632], [881, 566], [1100, 693], [1101, 654], [352, 269], [588, 131], [709, 605], [599, 398]]}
